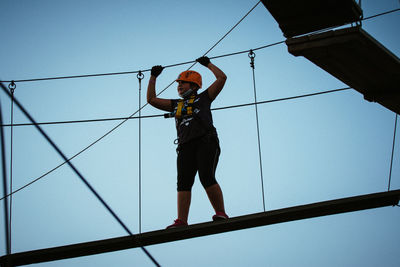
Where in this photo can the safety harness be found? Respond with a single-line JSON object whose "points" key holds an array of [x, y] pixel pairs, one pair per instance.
{"points": [[184, 109]]}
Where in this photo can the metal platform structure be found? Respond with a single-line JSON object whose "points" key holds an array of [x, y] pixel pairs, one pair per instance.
{"points": [[300, 17], [351, 204], [357, 59], [350, 54]]}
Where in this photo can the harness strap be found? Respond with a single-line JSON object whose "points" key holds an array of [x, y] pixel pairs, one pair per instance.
{"points": [[190, 107], [183, 109], [178, 113]]}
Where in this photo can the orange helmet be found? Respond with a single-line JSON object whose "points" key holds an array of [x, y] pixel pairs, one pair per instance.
{"points": [[190, 76]]}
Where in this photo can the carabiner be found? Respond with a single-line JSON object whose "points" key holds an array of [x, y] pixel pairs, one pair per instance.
{"points": [[251, 54], [140, 75]]}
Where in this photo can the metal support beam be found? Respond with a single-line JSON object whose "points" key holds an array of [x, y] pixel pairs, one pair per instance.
{"points": [[325, 208]]}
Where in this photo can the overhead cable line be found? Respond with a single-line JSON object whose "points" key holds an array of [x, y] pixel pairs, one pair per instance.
{"points": [[161, 115], [393, 147], [4, 176], [12, 88], [151, 116], [84, 121], [285, 98], [223, 37], [76, 171], [381, 14], [68, 160], [133, 114], [140, 77], [137, 71], [252, 56], [176, 64]]}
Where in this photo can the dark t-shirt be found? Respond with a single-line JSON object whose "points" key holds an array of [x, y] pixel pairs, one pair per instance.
{"points": [[198, 124]]}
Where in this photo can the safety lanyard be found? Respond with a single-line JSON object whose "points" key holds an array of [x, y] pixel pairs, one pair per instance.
{"points": [[184, 107]]}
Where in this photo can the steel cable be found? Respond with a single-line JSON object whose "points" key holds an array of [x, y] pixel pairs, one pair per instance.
{"points": [[176, 64], [77, 172], [161, 115], [252, 56], [393, 147]]}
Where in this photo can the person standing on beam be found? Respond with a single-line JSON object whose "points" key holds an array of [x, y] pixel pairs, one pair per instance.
{"points": [[198, 144]]}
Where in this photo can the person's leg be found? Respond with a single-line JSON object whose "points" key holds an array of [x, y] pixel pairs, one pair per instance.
{"points": [[207, 157], [184, 198], [216, 198], [186, 173]]}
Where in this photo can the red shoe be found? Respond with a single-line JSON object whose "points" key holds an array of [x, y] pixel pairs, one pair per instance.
{"points": [[220, 216], [177, 223]]}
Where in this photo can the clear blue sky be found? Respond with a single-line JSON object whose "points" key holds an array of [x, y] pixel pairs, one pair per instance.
{"points": [[313, 149]]}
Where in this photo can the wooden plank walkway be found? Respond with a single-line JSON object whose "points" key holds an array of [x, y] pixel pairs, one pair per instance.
{"points": [[357, 59], [325, 208]]}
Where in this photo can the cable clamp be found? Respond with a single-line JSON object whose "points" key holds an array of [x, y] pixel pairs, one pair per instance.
{"points": [[12, 87], [140, 75], [252, 55]]}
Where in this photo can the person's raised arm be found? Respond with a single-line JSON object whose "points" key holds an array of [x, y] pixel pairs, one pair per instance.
{"points": [[216, 87], [152, 99]]}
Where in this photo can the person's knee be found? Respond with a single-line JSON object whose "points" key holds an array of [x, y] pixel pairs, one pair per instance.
{"points": [[208, 181], [183, 185]]}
